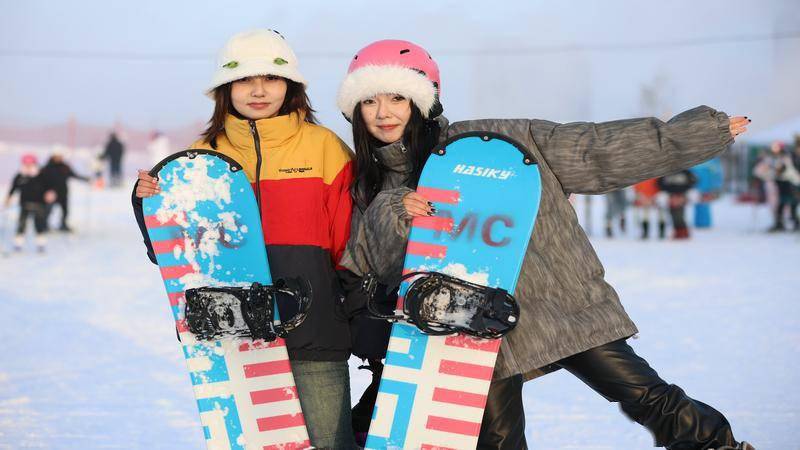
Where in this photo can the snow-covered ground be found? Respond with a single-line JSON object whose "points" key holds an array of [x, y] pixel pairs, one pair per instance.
{"points": [[90, 359]]}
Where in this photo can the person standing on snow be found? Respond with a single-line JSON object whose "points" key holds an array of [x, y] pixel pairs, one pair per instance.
{"points": [[34, 195], [646, 198], [676, 185], [57, 172], [616, 204], [780, 175], [114, 151], [263, 120], [571, 318]]}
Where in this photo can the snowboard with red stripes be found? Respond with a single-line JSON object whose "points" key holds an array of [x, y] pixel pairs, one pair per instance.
{"points": [[486, 189], [206, 231]]}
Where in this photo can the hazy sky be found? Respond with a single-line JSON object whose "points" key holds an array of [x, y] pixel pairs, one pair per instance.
{"points": [[146, 63]]}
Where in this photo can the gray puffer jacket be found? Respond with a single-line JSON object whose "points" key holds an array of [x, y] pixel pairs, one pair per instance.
{"points": [[566, 305]]}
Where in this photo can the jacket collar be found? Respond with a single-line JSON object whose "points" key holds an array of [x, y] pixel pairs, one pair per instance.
{"points": [[273, 132], [394, 156]]}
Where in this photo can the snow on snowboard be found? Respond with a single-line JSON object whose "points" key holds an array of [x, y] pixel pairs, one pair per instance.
{"points": [[206, 233], [486, 189]]}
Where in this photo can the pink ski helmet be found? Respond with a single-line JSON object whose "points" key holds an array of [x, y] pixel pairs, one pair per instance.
{"points": [[392, 67], [28, 159]]}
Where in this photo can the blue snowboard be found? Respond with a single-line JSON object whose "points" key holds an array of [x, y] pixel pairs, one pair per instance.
{"points": [[486, 189], [206, 231]]}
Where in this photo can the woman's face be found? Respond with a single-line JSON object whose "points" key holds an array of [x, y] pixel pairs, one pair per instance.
{"points": [[258, 97], [386, 116]]}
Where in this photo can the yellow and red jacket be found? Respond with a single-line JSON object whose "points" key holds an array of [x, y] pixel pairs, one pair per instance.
{"points": [[303, 180]]}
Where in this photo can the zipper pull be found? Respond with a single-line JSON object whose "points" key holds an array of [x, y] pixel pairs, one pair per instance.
{"points": [[402, 148], [252, 127]]}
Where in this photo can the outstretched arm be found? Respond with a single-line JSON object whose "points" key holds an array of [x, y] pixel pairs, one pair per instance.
{"points": [[593, 158]]}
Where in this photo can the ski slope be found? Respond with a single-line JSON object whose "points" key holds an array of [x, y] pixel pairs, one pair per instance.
{"points": [[91, 359]]}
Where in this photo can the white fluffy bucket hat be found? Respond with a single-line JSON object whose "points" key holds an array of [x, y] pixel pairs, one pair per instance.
{"points": [[252, 53]]}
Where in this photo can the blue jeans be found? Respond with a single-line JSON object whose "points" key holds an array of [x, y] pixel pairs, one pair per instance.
{"points": [[324, 390]]}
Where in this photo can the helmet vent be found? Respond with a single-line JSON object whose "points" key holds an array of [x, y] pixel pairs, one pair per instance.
{"points": [[403, 52]]}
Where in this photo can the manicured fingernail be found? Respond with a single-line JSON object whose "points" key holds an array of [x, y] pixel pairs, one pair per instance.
{"points": [[748, 120], [430, 213], [433, 209]]}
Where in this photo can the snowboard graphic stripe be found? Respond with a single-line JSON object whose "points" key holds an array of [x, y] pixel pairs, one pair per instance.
{"points": [[461, 398], [176, 298], [281, 422], [176, 272], [466, 370], [453, 426], [427, 250], [290, 446], [447, 196], [273, 395], [152, 221], [169, 246], [266, 369], [433, 223], [260, 345], [464, 341]]}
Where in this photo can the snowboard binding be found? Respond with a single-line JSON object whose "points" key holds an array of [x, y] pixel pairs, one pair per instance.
{"points": [[440, 304], [219, 312]]}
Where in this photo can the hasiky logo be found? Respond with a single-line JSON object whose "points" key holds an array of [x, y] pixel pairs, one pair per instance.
{"points": [[485, 172]]}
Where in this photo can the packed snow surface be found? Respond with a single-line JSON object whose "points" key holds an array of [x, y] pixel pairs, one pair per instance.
{"points": [[91, 360]]}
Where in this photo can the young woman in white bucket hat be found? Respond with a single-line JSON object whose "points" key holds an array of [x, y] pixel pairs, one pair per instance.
{"points": [[301, 173]]}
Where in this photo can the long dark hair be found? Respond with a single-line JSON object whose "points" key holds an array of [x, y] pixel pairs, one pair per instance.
{"points": [[419, 138], [296, 100]]}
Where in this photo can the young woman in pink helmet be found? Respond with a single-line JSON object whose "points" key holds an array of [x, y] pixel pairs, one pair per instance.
{"points": [[571, 317]]}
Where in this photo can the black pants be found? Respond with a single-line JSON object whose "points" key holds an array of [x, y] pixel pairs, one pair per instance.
{"points": [[676, 421], [34, 210], [61, 201], [503, 425], [786, 200]]}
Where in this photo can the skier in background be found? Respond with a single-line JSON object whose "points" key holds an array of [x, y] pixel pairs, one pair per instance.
{"points": [[676, 185], [34, 195], [616, 204], [58, 173], [570, 317], [781, 177], [114, 151], [647, 198]]}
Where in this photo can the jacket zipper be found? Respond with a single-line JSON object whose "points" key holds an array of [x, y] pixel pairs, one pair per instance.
{"points": [[257, 142]]}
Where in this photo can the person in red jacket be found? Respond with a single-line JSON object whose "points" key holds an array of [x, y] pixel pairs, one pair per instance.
{"points": [[647, 198]]}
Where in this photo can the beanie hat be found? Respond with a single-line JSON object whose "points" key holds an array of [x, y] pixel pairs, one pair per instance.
{"points": [[392, 67], [253, 53]]}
